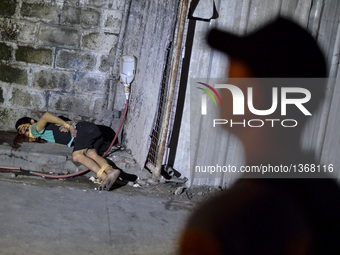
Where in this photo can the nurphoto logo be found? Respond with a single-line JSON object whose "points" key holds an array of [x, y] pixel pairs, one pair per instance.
{"points": [[281, 96], [204, 97]]}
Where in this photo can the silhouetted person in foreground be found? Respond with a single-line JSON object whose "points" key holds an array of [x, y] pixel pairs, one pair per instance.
{"points": [[294, 214]]}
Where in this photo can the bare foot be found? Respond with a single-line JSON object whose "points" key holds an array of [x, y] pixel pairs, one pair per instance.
{"points": [[110, 179]]}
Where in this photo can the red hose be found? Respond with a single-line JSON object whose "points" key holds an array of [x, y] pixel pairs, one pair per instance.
{"points": [[119, 128], [9, 168], [52, 176]]}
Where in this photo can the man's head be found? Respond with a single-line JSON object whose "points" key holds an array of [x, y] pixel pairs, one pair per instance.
{"points": [[280, 49], [23, 126]]}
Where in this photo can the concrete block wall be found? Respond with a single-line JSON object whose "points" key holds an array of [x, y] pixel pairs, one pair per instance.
{"points": [[57, 56]]}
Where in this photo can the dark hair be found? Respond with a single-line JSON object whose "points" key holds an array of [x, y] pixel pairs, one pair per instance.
{"points": [[23, 120]]}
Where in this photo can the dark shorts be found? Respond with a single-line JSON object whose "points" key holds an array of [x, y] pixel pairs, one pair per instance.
{"points": [[88, 136]]}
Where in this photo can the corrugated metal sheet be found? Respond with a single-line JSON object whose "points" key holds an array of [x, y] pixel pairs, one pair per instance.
{"points": [[322, 134]]}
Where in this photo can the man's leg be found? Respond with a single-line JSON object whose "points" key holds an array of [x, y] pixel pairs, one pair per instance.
{"points": [[95, 163], [92, 154], [110, 175], [80, 157]]}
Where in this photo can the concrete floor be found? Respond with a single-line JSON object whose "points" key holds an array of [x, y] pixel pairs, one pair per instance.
{"points": [[45, 218]]}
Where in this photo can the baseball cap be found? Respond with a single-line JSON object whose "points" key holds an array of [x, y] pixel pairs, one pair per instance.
{"points": [[280, 48]]}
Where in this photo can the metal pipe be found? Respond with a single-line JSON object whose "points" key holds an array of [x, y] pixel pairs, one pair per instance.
{"points": [[173, 78]]}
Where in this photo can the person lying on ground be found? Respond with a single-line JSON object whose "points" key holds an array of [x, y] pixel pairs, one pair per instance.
{"points": [[84, 136]]}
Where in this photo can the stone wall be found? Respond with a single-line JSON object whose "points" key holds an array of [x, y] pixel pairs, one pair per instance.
{"points": [[58, 56]]}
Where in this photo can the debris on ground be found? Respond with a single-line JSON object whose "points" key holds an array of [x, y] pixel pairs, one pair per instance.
{"points": [[170, 185], [168, 190]]}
